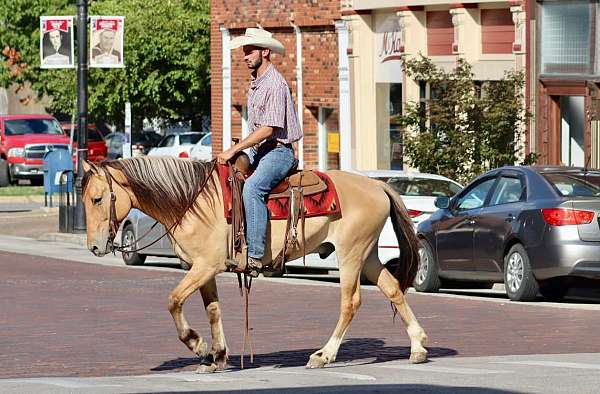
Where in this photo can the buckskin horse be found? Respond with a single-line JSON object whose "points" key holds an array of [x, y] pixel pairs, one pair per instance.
{"points": [[187, 198]]}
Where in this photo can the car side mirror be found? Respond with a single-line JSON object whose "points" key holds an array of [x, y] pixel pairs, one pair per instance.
{"points": [[442, 202]]}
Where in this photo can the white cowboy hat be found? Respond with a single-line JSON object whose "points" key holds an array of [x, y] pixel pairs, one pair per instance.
{"points": [[259, 38]]}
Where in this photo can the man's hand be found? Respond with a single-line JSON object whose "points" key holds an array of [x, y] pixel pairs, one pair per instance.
{"points": [[224, 157]]}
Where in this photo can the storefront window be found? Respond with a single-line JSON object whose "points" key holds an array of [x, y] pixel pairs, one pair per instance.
{"points": [[389, 131]]}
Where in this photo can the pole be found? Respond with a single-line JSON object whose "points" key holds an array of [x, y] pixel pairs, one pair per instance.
{"points": [[82, 109]]}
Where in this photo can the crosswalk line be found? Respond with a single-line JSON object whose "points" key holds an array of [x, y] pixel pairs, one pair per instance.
{"points": [[449, 370], [557, 364]]}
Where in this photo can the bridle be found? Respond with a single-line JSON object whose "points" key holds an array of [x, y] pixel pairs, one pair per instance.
{"points": [[113, 225]]}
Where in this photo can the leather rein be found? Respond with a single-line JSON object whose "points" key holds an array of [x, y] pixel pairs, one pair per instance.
{"points": [[114, 223]]}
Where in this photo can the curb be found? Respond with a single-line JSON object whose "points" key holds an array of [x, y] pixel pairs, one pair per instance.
{"points": [[77, 239]]}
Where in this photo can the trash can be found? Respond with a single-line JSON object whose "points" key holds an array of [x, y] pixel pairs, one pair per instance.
{"points": [[56, 161]]}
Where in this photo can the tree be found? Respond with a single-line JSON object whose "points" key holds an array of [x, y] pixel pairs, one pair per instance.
{"points": [[166, 52], [465, 128]]}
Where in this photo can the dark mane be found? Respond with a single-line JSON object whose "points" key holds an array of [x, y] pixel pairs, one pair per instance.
{"points": [[165, 187]]}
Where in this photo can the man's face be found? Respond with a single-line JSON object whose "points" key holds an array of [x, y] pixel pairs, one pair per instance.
{"points": [[55, 39], [107, 38], [253, 56]]}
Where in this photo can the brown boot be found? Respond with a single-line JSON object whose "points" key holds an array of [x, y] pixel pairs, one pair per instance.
{"points": [[244, 264]]}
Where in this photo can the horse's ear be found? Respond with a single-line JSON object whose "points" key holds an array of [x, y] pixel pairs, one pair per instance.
{"points": [[87, 167]]}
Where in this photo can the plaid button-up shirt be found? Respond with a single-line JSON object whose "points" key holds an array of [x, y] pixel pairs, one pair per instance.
{"points": [[270, 103]]}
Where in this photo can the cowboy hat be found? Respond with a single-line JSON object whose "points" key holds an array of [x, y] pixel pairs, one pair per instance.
{"points": [[259, 38]]}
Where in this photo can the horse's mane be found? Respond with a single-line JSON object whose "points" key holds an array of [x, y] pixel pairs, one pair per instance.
{"points": [[165, 187]]}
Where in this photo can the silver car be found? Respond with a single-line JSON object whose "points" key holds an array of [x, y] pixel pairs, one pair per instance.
{"points": [[536, 229]]}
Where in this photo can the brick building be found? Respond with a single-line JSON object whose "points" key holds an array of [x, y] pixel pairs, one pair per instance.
{"points": [[314, 36]]}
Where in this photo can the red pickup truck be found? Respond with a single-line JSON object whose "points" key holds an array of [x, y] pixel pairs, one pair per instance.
{"points": [[24, 139]]}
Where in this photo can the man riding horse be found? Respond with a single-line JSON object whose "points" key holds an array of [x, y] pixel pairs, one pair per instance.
{"points": [[273, 127]]}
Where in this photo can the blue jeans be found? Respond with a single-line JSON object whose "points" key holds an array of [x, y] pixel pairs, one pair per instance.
{"points": [[270, 168]]}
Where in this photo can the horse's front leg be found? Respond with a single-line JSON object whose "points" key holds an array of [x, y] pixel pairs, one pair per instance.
{"points": [[200, 275], [218, 353]]}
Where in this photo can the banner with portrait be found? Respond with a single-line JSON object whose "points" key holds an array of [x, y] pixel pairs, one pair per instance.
{"points": [[56, 42], [106, 43]]}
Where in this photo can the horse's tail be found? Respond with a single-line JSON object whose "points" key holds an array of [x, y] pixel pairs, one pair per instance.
{"points": [[408, 263]]}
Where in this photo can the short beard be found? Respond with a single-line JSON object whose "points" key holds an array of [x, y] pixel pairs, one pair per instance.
{"points": [[255, 65]]}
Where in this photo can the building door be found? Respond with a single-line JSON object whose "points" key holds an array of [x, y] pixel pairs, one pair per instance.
{"points": [[572, 115]]}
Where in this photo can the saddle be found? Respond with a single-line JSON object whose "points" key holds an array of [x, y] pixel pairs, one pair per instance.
{"points": [[294, 188]]}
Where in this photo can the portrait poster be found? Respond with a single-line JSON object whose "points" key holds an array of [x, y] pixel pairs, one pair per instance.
{"points": [[56, 42], [106, 45]]}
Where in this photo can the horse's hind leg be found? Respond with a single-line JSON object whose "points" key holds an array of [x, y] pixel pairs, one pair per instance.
{"points": [[376, 273], [197, 277], [350, 266], [218, 354]]}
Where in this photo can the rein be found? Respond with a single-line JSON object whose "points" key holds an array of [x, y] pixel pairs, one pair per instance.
{"points": [[114, 223]]}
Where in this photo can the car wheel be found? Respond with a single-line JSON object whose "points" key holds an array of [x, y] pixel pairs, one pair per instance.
{"points": [[427, 279], [184, 265], [128, 238], [519, 281], [4, 173]]}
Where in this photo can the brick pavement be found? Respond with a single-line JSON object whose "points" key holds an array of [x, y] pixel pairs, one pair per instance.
{"points": [[61, 318]]}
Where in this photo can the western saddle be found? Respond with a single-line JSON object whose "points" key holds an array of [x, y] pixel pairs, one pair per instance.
{"points": [[296, 185]]}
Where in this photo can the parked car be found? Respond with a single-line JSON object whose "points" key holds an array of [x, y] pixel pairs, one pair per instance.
{"points": [[97, 150], [203, 149], [176, 145], [135, 225], [533, 228], [24, 139], [428, 185], [141, 143]]}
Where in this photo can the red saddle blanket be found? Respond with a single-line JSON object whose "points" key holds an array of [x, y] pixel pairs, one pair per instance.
{"points": [[319, 204]]}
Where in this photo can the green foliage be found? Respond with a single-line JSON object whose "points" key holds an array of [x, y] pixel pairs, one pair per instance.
{"points": [[166, 52], [459, 132]]}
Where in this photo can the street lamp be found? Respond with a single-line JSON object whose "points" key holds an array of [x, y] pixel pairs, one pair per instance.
{"points": [[82, 110]]}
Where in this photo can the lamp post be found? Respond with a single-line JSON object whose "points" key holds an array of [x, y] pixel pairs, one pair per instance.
{"points": [[82, 110]]}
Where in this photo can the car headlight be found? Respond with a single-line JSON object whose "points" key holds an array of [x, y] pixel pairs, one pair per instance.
{"points": [[16, 152]]}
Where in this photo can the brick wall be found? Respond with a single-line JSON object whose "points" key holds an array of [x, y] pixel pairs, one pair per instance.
{"points": [[319, 52]]}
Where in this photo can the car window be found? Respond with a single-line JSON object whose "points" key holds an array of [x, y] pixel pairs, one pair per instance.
{"points": [[507, 191], [32, 126], [206, 141], [93, 135], [475, 197], [572, 186], [189, 139], [167, 141], [424, 187]]}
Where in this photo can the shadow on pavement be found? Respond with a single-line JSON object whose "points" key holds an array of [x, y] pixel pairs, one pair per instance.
{"points": [[371, 350], [375, 388]]}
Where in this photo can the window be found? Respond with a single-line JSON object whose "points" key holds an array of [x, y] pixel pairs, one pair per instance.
{"points": [[571, 186], [497, 31], [424, 187], [507, 191], [31, 126], [206, 140], [475, 197], [167, 141], [567, 45], [440, 33], [190, 139]]}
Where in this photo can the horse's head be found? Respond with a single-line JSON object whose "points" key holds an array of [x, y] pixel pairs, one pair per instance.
{"points": [[106, 203]]}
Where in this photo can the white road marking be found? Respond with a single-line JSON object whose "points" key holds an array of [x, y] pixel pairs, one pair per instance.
{"points": [[450, 370], [556, 364]]}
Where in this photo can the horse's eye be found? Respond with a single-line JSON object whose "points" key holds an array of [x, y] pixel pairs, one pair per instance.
{"points": [[96, 201]]}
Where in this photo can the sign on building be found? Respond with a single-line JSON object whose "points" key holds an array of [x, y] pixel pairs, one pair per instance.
{"points": [[389, 47], [56, 42], [106, 46]]}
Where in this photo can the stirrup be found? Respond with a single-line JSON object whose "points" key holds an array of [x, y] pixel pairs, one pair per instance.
{"points": [[244, 265]]}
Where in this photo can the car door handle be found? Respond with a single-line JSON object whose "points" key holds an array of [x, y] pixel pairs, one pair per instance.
{"points": [[509, 218]]}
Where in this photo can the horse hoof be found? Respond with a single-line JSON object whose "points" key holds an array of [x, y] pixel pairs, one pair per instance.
{"points": [[418, 357], [315, 362], [207, 368], [201, 349]]}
